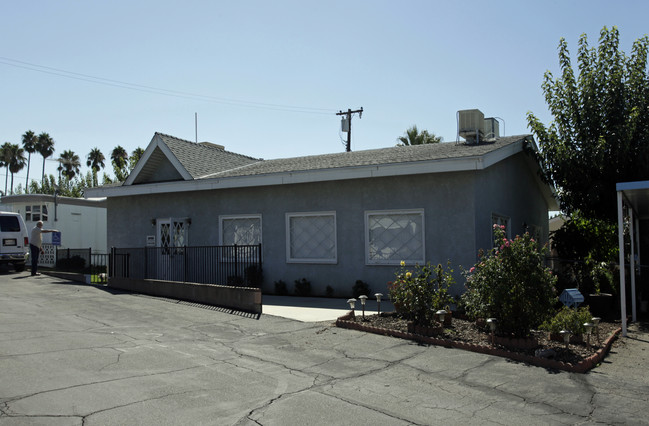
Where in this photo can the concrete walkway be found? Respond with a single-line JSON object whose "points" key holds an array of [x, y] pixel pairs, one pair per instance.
{"points": [[314, 309], [73, 354]]}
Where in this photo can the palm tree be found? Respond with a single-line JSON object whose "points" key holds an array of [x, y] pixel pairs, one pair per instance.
{"points": [[45, 147], [119, 157], [412, 136], [69, 164], [135, 157], [16, 161], [5, 150], [29, 144], [95, 162]]}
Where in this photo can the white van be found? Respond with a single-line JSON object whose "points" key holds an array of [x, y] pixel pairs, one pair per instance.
{"points": [[14, 242]]}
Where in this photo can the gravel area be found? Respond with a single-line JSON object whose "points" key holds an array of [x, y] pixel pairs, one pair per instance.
{"points": [[468, 332]]}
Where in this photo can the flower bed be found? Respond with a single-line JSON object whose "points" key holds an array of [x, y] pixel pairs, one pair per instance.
{"points": [[465, 335]]}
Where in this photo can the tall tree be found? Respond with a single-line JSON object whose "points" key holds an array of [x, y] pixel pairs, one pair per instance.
{"points": [[5, 151], [119, 158], [29, 144], [69, 164], [95, 162], [16, 161], [134, 158], [45, 147], [600, 130], [413, 136]]}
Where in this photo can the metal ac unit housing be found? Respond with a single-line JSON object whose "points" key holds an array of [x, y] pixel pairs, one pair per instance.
{"points": [[471, 125]]}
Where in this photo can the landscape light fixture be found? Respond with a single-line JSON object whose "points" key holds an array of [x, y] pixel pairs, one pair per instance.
{"points": [[352, 304], [595, 321], [363, 300], [441, 314], [566, 336], [378, 301], [589, 329], [492, 326]]}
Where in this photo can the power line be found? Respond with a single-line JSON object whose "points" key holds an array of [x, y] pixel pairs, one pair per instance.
{"points": [[160, 91]]}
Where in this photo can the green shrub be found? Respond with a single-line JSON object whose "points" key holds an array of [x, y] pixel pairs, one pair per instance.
{"points": [[568, 319], [74, 263], [302, 287], [235, 281], [418, 295], [254, 276], [511, 284], [280, 288], [360, 288], [329, 291]]}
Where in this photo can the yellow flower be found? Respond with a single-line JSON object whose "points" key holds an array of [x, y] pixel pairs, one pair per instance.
{"points": [[408, 274], [403, 263]]}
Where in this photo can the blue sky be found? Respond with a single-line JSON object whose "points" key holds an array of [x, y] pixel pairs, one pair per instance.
{"points": [[266, 78]]}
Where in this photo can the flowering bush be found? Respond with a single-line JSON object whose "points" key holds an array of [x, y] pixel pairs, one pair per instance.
{"points": [[511, 284], [418, 295]]}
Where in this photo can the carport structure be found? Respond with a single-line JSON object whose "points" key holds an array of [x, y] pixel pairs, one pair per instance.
{"points": [[632, 206]]}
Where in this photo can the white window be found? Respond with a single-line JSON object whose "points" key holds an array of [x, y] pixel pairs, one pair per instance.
{"points": [[394, 235], [240, 230], [311, 237], [36, 213]]}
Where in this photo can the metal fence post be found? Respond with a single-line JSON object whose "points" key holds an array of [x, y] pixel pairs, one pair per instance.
{"points": [[111, 263]]}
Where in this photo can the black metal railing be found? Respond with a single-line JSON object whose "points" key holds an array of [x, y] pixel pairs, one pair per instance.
{"points": [[236, 265], [83, 261]]}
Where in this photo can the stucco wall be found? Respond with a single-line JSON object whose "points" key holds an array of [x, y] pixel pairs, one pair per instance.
{"points": [[510, 189], [457, 211]]}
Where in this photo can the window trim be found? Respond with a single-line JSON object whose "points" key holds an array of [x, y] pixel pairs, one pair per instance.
{"points": [[369, 213], [240, 216], [43, 213], [290, 259]]}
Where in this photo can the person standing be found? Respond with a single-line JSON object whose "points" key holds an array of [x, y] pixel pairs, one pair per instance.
{"points": [[36, 243]]}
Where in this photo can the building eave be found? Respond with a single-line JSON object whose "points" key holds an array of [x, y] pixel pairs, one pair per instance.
{"points": [[445, 165]]}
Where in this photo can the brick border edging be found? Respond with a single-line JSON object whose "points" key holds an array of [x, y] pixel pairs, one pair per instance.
{"points": [[581, 367]]}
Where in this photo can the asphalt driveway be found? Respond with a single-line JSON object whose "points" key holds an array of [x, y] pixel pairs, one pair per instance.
{"points": [[73, 354]]}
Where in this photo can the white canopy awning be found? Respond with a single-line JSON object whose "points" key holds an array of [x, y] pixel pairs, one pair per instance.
{"points": [[635, 196]]}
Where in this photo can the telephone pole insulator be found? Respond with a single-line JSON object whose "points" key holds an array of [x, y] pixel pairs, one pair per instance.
{"points": [[348, 117]]}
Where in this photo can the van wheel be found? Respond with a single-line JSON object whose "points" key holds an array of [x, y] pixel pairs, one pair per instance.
{"points": [[19, 267]]}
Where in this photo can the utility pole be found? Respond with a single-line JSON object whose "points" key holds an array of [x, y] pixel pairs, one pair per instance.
{"points": [[349, 114]]}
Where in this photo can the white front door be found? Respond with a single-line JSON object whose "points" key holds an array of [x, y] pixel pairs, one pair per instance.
{"points": [[172, 239]]}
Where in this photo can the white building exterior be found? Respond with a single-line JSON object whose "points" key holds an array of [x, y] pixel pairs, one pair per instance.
{"points": [[82, 222]]}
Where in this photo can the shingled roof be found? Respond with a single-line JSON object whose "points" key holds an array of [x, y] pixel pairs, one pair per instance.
{"points": [[171, 164], [200, 160], [381, 156]]}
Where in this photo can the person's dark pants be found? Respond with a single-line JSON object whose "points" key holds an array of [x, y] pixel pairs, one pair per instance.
{"points": [[35, 253]]}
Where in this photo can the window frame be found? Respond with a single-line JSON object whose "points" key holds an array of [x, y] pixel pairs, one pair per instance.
{"points": [[374, 262], [290, 259], [32, 215], [240, 216]]}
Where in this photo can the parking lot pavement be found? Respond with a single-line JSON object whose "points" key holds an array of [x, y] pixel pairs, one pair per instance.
{"points": [[73, 354]]}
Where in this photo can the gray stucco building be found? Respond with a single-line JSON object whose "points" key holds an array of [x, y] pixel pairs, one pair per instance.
{"points": [[337, 218]]}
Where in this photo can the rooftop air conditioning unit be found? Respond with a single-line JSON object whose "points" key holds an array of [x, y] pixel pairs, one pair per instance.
{"points": [[471, 125], [491, 128]]}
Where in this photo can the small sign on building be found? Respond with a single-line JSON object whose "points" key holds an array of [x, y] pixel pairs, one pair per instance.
{"points": [[150, 240], [56, 238]]}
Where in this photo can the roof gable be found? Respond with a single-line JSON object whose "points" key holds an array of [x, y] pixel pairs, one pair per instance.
{"points": [[168, 158]]}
